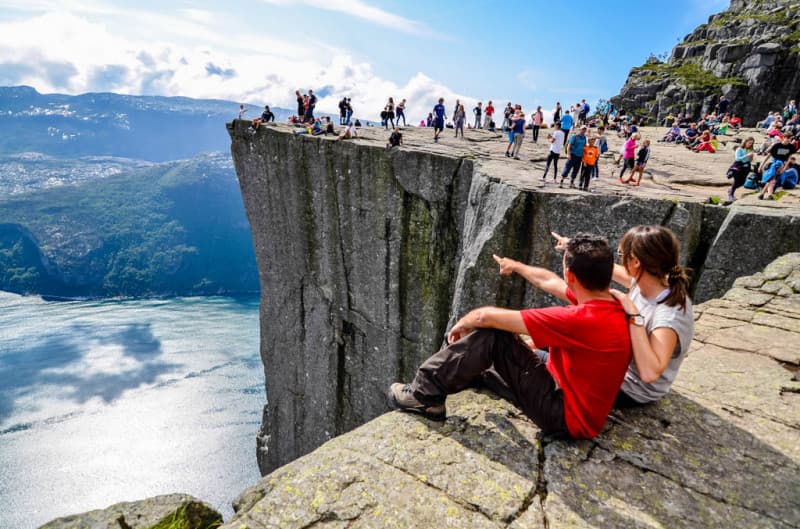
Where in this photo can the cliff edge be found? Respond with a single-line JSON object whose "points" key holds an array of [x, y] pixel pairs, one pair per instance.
{"points": [[721, 450], [365, 255]]}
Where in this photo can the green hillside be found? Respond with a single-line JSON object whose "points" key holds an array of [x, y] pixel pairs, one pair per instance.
{"points": [[176, 228]]}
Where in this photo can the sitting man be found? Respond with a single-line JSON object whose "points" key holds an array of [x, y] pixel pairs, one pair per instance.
{"points": [[567, 391]]}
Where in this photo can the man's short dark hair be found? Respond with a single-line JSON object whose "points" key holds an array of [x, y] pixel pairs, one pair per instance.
{"points": [[590, 258]]}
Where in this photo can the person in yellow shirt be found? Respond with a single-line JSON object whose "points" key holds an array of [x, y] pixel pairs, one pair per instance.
{"points": [[590, 155]]}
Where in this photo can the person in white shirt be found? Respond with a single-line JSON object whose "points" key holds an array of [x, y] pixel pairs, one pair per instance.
{"points": [[556, 140]]}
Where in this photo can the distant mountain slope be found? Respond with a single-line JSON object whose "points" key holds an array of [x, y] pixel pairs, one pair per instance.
{"points": [[103, 124], [750, 53], [174, 228]]}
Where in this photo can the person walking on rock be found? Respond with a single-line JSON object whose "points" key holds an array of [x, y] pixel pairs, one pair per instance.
{"points": [[742, 165], [567, 382], [556, 140], [575, 146]]}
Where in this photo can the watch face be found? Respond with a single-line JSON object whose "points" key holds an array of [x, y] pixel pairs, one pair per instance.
{"points": [[638, 320]]}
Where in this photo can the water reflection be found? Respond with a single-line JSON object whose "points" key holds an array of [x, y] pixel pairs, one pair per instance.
{"points": [[108, 401]]}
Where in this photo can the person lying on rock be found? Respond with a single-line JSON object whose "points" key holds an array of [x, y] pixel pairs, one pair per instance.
{"points": [[661, 318], [568, 382]]}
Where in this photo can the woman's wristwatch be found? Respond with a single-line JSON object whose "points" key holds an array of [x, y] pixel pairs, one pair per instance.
{"points": [[635, 319]]}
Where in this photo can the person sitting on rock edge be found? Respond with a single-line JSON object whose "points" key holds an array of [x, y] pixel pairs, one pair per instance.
{"points": [[572, 391], [660, 314], [395, 139], [349, 132]]}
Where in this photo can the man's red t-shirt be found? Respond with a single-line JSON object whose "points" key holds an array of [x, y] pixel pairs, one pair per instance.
{"points": [[489, 110], [590, 349]]}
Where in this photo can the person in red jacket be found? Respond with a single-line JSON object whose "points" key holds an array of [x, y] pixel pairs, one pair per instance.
{"points": [[488, 112], [567, 381]]}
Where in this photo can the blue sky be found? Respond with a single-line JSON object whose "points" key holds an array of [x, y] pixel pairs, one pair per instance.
{"points": [[260, 51]]}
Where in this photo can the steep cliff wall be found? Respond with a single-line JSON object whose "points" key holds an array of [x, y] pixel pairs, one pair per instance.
{"points": [[365, 255], [751, 53]]}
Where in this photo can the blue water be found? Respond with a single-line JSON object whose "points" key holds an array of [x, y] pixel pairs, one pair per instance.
{"points": [[108, 401]]}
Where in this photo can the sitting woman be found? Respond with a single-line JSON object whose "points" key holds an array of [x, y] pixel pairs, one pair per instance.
{"points": [[661, 320], [705, 143], [349, 132], [660, 315], [673, 134]]}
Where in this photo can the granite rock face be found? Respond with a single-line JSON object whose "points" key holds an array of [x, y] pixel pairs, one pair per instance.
{"points": [[721, 450], [751, 53], [365, 256], [172, 511]]}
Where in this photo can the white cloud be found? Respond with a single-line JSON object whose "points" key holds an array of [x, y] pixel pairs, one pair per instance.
{"points": [[360, 9], [91, 49]]}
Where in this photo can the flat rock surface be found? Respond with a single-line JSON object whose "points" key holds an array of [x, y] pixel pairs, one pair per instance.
{"points": [[673, 172], [722, 450]]}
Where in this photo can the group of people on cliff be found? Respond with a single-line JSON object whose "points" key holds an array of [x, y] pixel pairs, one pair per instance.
{"points": [[566, 367]]}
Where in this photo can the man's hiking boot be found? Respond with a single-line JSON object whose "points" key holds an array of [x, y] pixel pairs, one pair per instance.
{"points": [[402, 398]]}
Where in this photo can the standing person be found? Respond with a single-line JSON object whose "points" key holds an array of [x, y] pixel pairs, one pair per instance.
{"points": [[566, 125], [567, 390], [507, 113], [489, 111], [590, 155], [401, 112], [349, 112], [312, 102], [628, 155], [557, 113], [438, 120], [301, 111], [518, 128], [459, 117], [556, 140], [743, 158], [641, 162], [242, 111], [389, 114], [517, 109], [575, 147], [722, 106], [478, 110], [536, 123], [576, 111], [583, 111], [602, 145], [342, 111]]}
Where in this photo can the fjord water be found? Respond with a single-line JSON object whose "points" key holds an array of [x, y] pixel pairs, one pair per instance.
{"points": [[108, 401]]}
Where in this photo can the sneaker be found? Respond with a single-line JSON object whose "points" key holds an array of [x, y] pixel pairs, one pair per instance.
{"points": [[402, 398], [508, 155], [543, 179], [516, 157]]}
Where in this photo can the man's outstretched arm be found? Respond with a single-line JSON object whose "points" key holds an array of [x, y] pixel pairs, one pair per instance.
{"points": [[539, 277], [487, 318]]}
